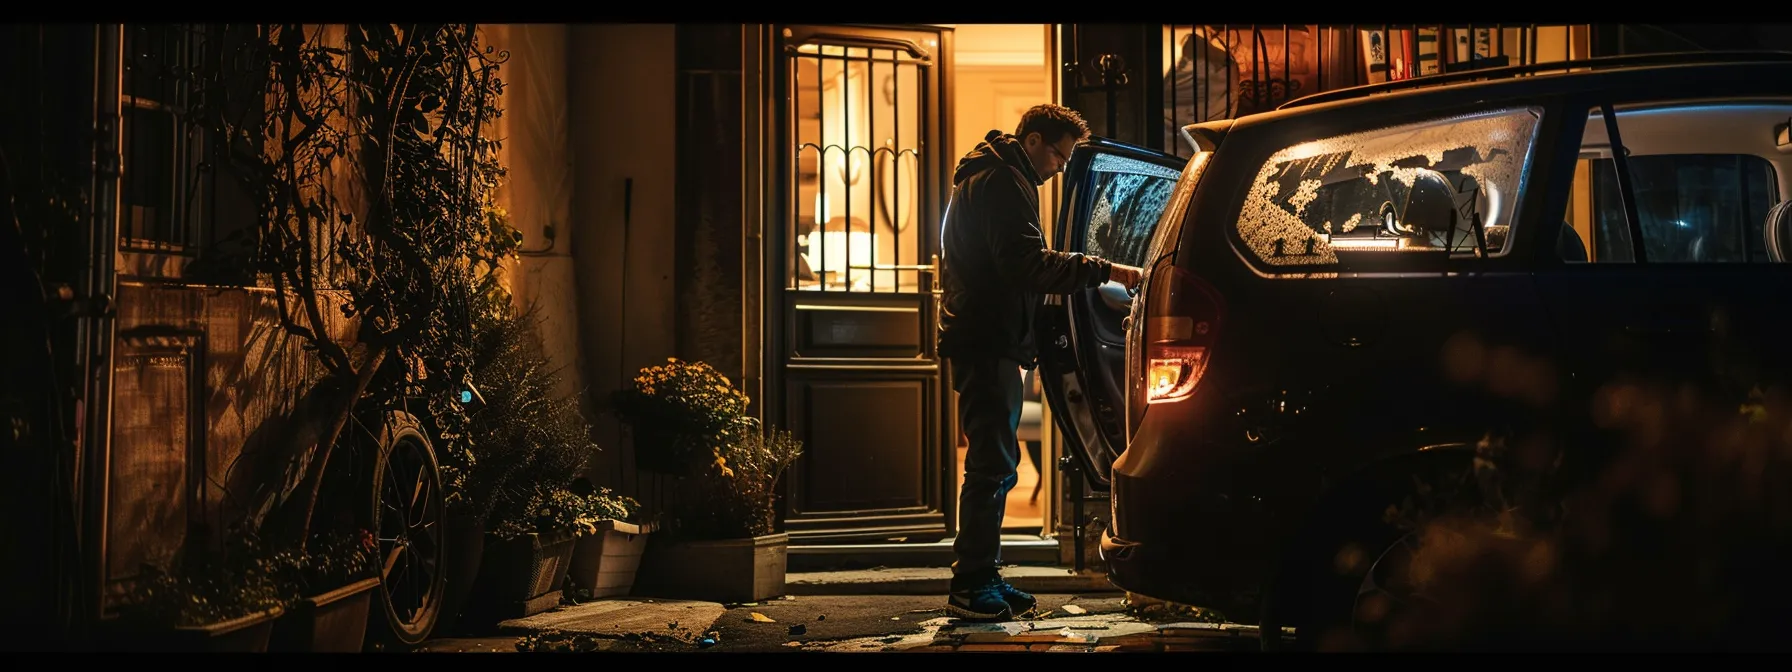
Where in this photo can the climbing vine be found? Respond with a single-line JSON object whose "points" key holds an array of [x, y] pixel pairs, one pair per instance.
{"points": [[369, 152]]}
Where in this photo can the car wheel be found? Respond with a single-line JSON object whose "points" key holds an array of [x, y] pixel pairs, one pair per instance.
{"points": [[1388, 594], [1347, 579], [406, 513]]}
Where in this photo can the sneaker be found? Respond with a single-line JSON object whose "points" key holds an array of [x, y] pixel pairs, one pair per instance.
{"points": [[1019, 601], [980, 602]]}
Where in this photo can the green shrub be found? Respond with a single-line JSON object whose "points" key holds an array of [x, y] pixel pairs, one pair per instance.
{"points": [[528, 442]]}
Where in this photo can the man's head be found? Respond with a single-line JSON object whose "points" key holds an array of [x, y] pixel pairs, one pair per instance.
{"points": [[1047, 133]]}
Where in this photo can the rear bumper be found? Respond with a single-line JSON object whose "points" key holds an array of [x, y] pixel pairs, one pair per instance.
{"points": [[1199, 548]]}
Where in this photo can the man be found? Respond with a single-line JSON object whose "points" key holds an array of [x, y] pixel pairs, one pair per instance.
{"points": [[995, 269]]}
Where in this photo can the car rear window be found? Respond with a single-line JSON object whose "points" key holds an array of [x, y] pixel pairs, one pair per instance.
{"points": [[1315, 200]]}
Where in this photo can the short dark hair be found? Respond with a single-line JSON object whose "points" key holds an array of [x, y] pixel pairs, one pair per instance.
{"points": [[1052, 123]]}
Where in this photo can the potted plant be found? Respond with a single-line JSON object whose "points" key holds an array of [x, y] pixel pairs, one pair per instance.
{"points": [[527, 554], [225, 600], [334, 576], [477, 457], [611, 539], [525, 443], [722, 543], [679, 415]]}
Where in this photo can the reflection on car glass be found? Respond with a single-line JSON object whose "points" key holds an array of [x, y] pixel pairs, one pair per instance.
{"points": [[1348, 192], [1129, 196]]}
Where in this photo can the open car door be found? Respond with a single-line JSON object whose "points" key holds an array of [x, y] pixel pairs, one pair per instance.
{"points": [[1114, 195]]}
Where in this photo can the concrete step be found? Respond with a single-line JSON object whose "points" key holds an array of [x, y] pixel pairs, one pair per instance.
{"points": [[1016, 549], [935, 581]]}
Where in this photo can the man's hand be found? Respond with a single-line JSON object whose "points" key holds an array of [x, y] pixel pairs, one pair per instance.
{"points": [[1125, 275]]}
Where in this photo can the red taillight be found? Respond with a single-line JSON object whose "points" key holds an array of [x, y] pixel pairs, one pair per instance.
{"points": [[1173, 371], [1182, 320]]}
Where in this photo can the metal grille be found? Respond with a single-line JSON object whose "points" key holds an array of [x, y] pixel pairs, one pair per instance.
{"points": [[856, 194], [1225, 71], [161, 189]]}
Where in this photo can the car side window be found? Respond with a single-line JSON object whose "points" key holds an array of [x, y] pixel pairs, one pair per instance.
{"points": [[1129, 195], [1705, 185], [1347, 194]]}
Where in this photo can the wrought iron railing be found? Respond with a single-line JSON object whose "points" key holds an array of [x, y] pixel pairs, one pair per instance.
{"points": [[856, 190], [1227, 70]]}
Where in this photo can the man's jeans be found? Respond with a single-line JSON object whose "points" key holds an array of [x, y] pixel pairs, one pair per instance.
{"points": [[989, 406]]}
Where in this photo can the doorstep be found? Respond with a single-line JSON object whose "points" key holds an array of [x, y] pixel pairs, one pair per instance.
{"points": [[935, 580], [1017, 549]]}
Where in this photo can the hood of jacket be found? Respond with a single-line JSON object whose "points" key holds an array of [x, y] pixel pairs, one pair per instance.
{"points": [[997, 149]]}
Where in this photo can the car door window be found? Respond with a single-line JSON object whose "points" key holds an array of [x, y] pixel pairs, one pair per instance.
{"points": [[1129, 196], [1698, 199]]}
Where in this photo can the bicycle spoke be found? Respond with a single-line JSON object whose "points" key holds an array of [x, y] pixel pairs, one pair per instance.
{"points": [[417, 492], [392, 559]]}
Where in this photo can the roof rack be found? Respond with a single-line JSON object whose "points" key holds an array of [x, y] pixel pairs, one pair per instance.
{"points": [[1665, 58]]}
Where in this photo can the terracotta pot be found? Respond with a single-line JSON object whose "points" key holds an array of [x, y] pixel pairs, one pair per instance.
{"points": [[724, 570], [334, 622], [605, 563]]}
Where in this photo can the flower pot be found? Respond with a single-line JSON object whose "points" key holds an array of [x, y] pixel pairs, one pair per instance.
{"points": [[521, 576], [723, 570], [245, 634], [464, 537], [334, 622], [605, 563]]}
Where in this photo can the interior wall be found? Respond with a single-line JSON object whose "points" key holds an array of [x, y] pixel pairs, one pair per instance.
{"points": [[1000, 71]]}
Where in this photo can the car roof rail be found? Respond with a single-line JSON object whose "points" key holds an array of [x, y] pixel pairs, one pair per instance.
{"points": [[1631, 60]]}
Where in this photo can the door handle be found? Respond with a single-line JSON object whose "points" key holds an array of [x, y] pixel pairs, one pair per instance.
{"points": [[933, 277], [1116, 296], [932, 269]]}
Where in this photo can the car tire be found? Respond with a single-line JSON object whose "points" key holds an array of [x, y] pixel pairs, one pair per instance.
{"points": [[1317, 588]]}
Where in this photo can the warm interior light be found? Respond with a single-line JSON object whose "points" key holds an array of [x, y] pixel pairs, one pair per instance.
{"points": [[1364, 243], [840, 250]]}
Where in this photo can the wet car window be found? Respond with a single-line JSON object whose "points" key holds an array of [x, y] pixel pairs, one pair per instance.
{"points": [[1317, 198], [1129, 196]]}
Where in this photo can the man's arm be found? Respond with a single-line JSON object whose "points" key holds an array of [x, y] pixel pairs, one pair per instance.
{"points": [[1023, 259]]}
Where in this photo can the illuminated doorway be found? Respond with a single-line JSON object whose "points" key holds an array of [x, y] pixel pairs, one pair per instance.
{"points": [[1001, 70]]}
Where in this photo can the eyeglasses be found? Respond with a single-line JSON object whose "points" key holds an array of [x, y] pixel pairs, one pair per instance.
{"points": [[1061, 157]]}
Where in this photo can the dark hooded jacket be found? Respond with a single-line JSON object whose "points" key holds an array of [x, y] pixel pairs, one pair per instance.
{"points": [[995, 266]]}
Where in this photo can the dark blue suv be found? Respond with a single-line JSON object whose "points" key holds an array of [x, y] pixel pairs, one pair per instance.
{"points": [[1323, 281]]}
